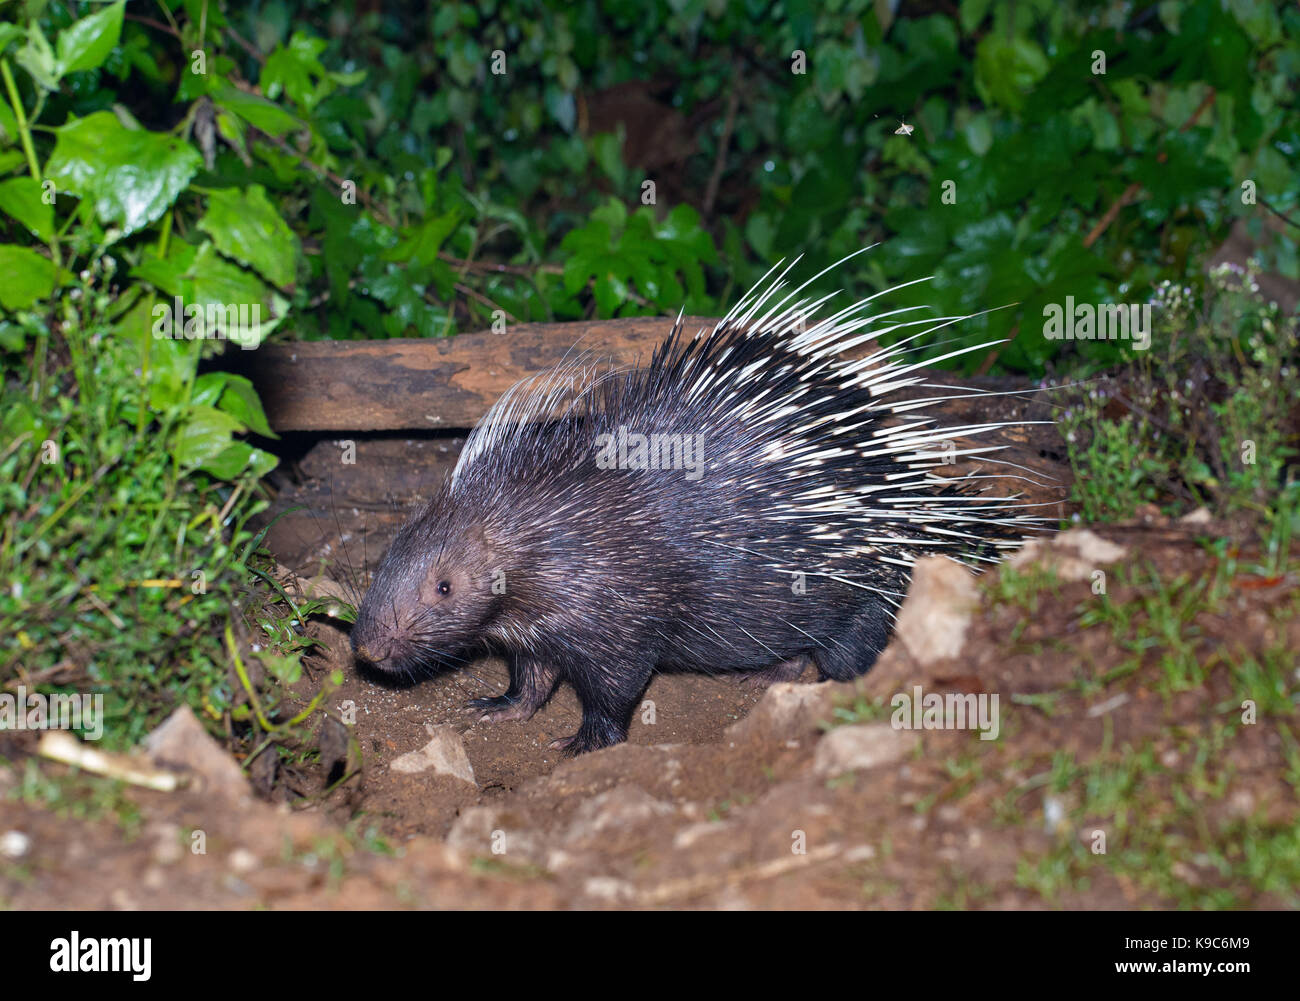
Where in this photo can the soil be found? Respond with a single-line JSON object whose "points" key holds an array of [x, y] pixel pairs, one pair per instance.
{"points": [[726, 795]]}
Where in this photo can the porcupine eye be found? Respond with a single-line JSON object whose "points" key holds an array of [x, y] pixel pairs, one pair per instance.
{"points": [[444, 587]]}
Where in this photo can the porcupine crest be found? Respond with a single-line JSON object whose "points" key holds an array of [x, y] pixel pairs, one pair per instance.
{"points": [[803, 466]]}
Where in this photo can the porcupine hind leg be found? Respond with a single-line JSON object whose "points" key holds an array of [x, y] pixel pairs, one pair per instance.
{"points": [[531, 684], [785, 670], [853, 651], [608, 699]]}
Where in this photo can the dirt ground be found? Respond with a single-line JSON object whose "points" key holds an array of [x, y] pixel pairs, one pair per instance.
{"points": [[728, 795]]}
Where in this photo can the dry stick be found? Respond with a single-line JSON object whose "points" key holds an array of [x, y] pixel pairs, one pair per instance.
{"points": [[1103, 224], [495, 267], [694, 885], [1285, 218], [720, 160]]}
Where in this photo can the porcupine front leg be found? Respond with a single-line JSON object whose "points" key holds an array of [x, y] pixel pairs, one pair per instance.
{"points": [[608, 699], [531, 684]]}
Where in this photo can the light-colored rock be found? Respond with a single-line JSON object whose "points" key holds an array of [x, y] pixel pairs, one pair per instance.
{"points": [[860, 747], [181, 743], [609, 889], [14, 844], [488, 831], [167, 837], [1074, 555], [687, 837], [444, 754], [787, 709], [622, 806], [937, 610]]}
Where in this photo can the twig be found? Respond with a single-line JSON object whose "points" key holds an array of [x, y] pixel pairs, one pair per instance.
{"points": [[1131, 191], [694, 885], [483, 300], [720, 160]]}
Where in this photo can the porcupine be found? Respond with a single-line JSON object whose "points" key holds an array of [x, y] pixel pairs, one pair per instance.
{"points": [[577, 558]]}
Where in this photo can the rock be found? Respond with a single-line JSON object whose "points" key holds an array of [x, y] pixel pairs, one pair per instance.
{"points": [[1074, 555], [1201, 516], [937, 611], [687, 837], [182, 744], [168, 848], [489, 831], [622, 806], [787, 710], [14, 844], [609, 889], [857, 748], [444, 754]]}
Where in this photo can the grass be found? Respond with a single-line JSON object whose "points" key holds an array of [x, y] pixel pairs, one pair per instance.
{"points": [[1207, 418], [125, 500], [1170, 834], [1166, 835], [75, 795]]}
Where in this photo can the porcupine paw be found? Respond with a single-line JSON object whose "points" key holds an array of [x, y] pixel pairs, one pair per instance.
{"points": [[500, 709], [589, 739]]}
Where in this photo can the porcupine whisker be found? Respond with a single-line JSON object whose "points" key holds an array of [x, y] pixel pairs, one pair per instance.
{"points": [[342, 541]]}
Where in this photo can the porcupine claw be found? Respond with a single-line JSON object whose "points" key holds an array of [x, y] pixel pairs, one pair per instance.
{"points": [[500, 709]]}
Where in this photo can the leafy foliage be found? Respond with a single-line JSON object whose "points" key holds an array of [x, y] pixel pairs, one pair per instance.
{"points": [[1210, 420]]}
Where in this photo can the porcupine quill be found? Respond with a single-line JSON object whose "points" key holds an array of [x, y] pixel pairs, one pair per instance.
{"points": [[748, 500]]}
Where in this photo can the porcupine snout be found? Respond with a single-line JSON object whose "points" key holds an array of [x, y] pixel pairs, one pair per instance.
{"points": [[383, 635], [379, 644]]}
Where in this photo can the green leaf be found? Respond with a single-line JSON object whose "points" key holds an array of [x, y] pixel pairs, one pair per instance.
{"points": [[208, 388], [20, 197], [132, 176], [12, 337], [204, 435], [240, 401], [423, 244], [27, 277], [290, 69], [256, 111], [238, 458], [9, 32], [85, 44], [168, 274], [245, 225], [972, 12], [1007, 69], [218, 283], [37, 58]]}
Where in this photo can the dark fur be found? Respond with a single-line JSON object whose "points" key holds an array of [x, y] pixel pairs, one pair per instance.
{"points": [[605, 576]]}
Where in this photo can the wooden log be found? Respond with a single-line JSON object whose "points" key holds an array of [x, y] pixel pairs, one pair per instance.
{"points": [[428, 383]]}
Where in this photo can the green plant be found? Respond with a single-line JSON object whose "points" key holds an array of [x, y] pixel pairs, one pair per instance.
{"points": [[1206, 418]]}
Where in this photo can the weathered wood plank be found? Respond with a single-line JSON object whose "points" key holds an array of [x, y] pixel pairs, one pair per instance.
{"points": [[427, 384]]}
